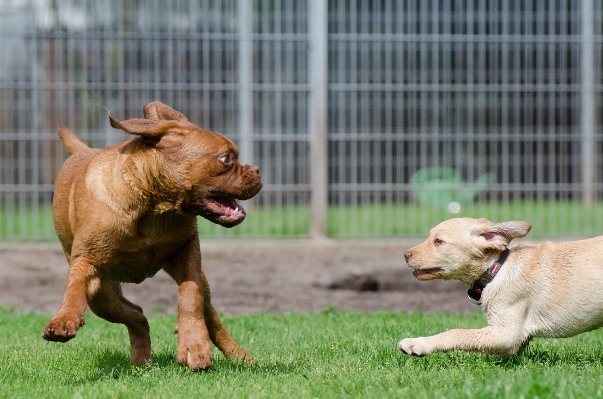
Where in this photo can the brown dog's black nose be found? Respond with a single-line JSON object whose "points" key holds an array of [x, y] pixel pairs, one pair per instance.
{"points": [[407, 255], [254, 169]]}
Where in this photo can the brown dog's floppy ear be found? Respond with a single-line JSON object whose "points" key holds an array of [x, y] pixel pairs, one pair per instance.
{"points": [[158, 110], [499, 235], [146, 127]]}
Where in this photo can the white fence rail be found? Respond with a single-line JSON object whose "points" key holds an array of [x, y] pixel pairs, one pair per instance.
{"points": [[367, 118]]}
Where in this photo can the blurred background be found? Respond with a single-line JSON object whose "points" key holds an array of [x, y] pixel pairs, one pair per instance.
{"points": [[367, 118]]}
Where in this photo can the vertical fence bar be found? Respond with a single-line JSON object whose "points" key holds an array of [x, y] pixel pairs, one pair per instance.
{"points": [[317, 115], [245, 71], [588, 121], [35, 134]]}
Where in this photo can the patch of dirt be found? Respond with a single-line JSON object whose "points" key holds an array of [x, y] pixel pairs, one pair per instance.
{"points": [[254, 277]]}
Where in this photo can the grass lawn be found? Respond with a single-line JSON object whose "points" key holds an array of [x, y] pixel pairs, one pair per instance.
{"points": [[322, 355], [549, 218]]}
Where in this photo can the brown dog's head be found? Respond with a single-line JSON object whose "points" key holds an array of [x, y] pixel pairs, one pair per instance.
{"points": [[196, 170], [458, 248]]}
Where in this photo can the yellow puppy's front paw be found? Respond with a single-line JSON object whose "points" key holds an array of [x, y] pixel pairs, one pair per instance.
{"points": [[414, 347]]}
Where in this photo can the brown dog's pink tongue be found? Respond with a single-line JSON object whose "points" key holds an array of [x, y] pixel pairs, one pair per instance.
{"points": [[225, 206]]}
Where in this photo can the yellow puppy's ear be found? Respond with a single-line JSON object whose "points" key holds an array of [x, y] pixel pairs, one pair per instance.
{"points": [[499, 235]]}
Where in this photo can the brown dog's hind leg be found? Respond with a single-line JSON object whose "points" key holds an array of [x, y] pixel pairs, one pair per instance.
{"points": [[217, 331], [70, 317], [108, 303]]}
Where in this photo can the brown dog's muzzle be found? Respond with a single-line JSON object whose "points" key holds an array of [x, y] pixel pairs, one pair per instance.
{"points": [[220, 206], [251, 182]]}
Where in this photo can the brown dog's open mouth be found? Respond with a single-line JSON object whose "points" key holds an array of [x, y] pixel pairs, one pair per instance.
{"points": [[427, 274], [222, 210]]}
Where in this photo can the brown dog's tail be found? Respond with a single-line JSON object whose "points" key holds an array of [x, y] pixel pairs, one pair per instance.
{"points": [[70, 141]]}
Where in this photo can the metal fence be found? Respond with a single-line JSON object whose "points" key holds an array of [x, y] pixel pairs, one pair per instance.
{"points": [[367, 118]]}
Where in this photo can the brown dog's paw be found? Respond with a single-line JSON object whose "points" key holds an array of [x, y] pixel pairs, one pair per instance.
{"points": [[242, 356], [196, 356], [141, 355], [62, 329], [140, 359]]}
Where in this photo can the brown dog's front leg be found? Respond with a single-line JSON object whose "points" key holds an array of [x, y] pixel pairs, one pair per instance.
{"points": [[70, 317], [198, 321], [194, 348]]}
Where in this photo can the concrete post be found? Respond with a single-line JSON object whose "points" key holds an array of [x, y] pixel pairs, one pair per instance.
{"points": [[245, 72], [588, 116], [318, 116]]}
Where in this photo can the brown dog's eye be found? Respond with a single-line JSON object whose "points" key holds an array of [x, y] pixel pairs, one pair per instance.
{"points": [[226, 159], [438, 241]]}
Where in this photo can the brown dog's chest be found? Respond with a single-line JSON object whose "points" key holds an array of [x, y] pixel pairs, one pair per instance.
{"points": [[136, 251], [136, 267], [142, 256]]}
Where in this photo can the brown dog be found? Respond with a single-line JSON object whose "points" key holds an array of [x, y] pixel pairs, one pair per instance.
{"points": [[126, 212]]}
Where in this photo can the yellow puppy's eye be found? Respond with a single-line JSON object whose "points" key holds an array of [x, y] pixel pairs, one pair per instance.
{"points": [[438, 241], [225, 159]]}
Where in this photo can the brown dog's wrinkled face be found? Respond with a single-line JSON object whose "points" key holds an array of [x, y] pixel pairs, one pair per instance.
{"points": [[457, 248], [217, 179], [200, 168]]}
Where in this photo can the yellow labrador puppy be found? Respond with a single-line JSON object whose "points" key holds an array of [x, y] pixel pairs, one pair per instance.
{"points": [[526, 291]]}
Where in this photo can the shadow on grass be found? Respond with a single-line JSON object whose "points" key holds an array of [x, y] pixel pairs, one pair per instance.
{"points": [[113, 364], [552, 353]]}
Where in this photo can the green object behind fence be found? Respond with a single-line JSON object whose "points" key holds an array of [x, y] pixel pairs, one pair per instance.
{"points": [[438, 187]]}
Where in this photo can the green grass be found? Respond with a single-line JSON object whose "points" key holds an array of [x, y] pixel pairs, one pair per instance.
{"points": [[322, 355], [549, 218]]}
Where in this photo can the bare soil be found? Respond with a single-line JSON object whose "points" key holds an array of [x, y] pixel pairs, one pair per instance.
{"points": [[254, 277]]}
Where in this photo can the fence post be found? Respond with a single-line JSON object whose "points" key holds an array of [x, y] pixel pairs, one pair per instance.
{"points": [[588, 119], [245, 72], [318, 116]]}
